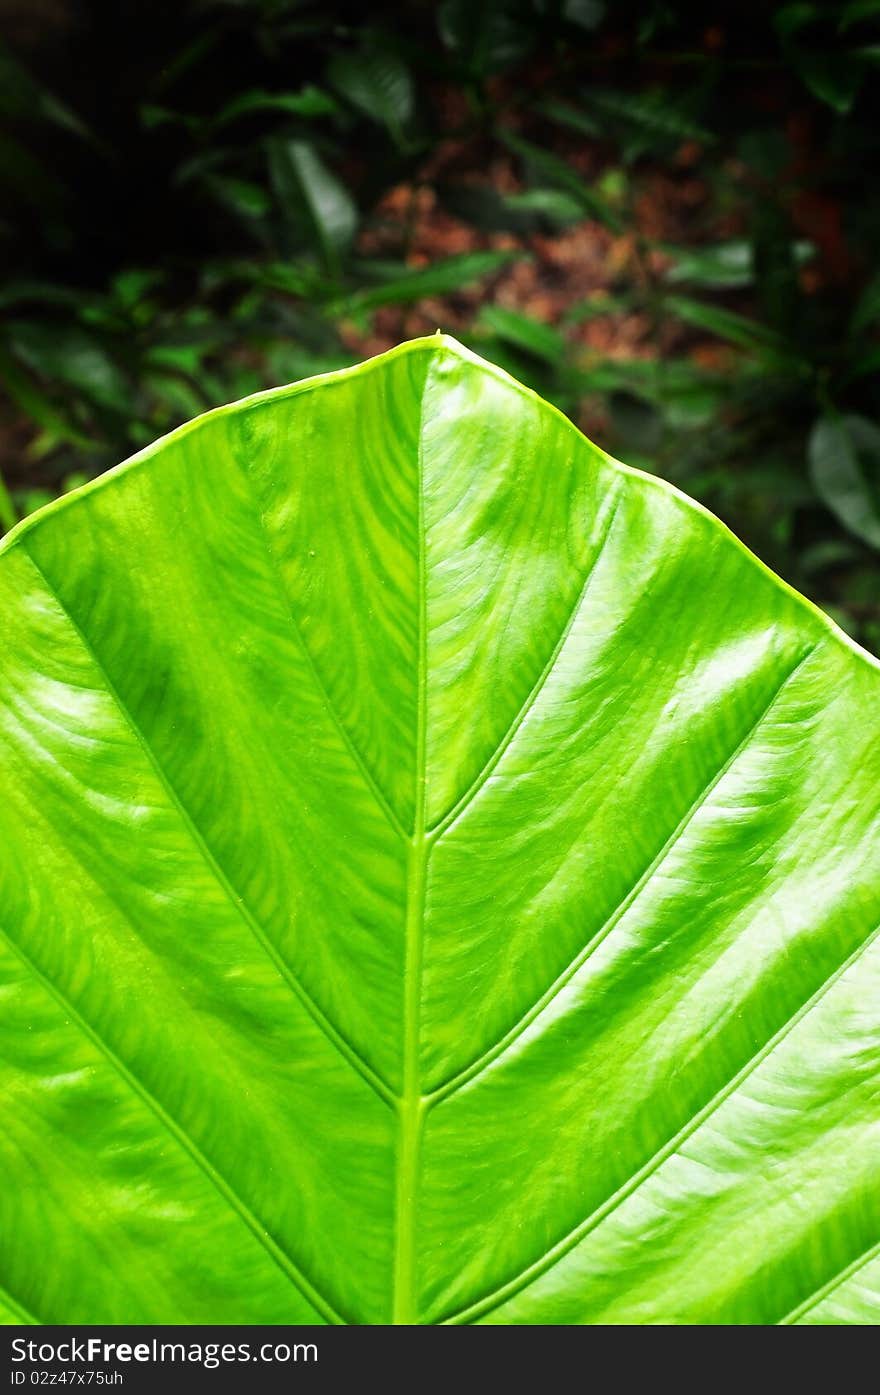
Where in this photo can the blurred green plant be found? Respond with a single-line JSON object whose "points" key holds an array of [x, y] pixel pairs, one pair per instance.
{"points": [[663, 221]]}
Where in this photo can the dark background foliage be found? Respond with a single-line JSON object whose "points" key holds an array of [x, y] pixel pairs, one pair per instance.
{"points": [[663, 216]]}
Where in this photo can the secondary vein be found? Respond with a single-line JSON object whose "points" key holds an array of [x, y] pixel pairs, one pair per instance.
{"points": [[510, 1038], [330, 1030], [411, 1106], [569, 1242], [453, 814], [18, 1309], [182, 1137], [835, 1282], [366, 773]]}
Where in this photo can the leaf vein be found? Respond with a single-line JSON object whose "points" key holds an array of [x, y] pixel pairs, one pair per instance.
{"points": [[493, 1053], [136, 1085], [367, 775], [330, 1031], [602, 1212], [453, 814], [410, 1105], [820, 1294], [20, 1311]]}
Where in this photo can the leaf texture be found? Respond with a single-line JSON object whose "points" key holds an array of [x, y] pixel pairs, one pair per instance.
{"points": [[439, 882]]}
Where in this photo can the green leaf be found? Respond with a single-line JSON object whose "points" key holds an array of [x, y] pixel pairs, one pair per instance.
{"points": [[294, 278], [443, 277], [655, 113], [305, 186], [242, 196], [573, 117], [560, 174], [598, 304], [36, 403], [44, 293], [308, 102], [487, 37], [844, 456], [525, 332], [830, 72], [726, 324], [33, 499], [440, 882], [71, 356], [377, 83], [22, 96], [555, 206], [727, 265], [153, 118], [132, 287]]}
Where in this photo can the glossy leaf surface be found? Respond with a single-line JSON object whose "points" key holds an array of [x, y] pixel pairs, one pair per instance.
{"points": [[440, 881]]}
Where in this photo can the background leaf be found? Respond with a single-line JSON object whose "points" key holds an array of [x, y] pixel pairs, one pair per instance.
{"points": [[305, 186], [558, 173], [402, 284], [379, 84], [845, 468]]}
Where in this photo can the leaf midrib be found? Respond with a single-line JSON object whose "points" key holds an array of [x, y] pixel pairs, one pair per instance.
{"points": [[411, 1105]]}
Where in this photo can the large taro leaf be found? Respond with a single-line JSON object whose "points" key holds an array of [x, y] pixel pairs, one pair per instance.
{"points": [[439, 881]]}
